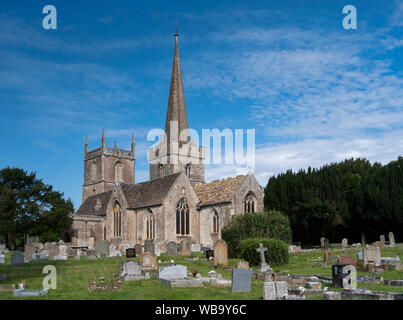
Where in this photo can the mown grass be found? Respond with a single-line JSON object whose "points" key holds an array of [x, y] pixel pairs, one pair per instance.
{"points": [[73, 276]]}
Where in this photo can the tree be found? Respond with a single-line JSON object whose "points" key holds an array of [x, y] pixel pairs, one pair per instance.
{"points": [[28, 206]]}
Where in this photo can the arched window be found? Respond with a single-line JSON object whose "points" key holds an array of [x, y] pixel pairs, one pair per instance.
{"points": [[250, 203], [160, 170], [117, 220], [216, 221], [118, 171], [182, 217], [93, 171], [187, 171], [149, 225]]}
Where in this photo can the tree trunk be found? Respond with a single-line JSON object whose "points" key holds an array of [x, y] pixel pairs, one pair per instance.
{"points": [[11, 241]]}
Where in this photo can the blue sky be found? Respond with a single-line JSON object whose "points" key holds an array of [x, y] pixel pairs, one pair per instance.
{"points": [[315, 92]]}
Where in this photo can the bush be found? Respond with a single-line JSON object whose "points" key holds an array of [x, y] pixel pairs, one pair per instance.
{"points": [[276, 254], [271, 224]]}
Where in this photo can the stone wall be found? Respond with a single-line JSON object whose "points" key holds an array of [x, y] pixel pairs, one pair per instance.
{"points": [[249, 184]]}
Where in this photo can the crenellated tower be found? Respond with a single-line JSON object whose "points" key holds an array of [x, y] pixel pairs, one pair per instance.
{"points": [[105, 166]]}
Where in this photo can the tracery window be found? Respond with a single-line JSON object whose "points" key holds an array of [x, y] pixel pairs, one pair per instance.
{"points": [[117, 220], [250, 203], [149, 232], [182, 217]]}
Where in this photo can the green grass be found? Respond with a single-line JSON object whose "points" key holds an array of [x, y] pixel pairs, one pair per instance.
{"points": [[73, 276]]}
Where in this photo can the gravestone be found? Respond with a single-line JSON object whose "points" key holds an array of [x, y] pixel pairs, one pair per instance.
{"points": [[2, 258], [328, 257], [241, 280], [32, 240], [220, 253], [382, 239], [131, 253], [322, 242], [371, 255], [391, 239], [149, 261], [78, 254], [184, 247], [326, 243], [379, 244], [149, 246], [172, 272], [209, 253], [29, 251], [243, 264], [138, 248], [131, 270], [17, 259], [195, 248], [114, 252], [347, 259], [172, 248], [274, 290], [344, 243], [339, 272], [264, 267], [102, 248]]}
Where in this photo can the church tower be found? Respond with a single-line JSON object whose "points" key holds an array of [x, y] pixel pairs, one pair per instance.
{"points": [[105, 166], [177, 152]]}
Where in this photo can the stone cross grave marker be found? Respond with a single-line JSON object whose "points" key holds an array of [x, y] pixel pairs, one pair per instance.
{"points": [[241, 280], [220, 253], [264, 267], [391, 239]]}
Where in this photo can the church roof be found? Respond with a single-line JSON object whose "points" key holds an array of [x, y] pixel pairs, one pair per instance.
{"points": [[218, 191], [176, 101], [148, 193], [99, 201]]}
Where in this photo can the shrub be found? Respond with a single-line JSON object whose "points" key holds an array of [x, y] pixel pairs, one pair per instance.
{"points": [[276, 254], [271, 224]]}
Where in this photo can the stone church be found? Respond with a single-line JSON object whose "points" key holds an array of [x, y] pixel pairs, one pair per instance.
{"points": [[175, 204]]}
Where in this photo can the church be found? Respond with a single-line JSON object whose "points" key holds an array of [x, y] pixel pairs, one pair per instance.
{"points": [[175, 204]]}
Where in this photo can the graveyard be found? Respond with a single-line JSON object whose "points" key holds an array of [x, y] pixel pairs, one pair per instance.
{"points": [[107, 278]]}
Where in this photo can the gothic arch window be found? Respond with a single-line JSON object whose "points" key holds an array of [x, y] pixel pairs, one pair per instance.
{"points": [[117, 220], [250, 203], [93, 171], [182, 217], [187, 170], [216, 222], [160, 170], [118, 171], [149, 224]]}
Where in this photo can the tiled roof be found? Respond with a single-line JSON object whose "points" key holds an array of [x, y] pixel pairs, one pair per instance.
{"points": [[148, 193], [88, 206], [219, 190]]}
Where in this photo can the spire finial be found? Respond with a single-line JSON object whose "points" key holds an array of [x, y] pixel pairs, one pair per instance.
{"points": [[103, 138]]}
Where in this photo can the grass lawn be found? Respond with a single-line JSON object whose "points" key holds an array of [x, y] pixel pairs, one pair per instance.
{"points": [[73, 276]]}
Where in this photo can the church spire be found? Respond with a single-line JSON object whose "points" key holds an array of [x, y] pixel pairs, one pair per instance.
{"points": [[176, 102]]}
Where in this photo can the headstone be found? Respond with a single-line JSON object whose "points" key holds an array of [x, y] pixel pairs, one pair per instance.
{"points": [[220, 253], [209, 253], [172, 272], [322, 242], [344, 243], [17, 259], [138, 248], [379, 244], [131, 270], [130, 253], [391, 239], [339, 272], [114, 252], [172, 248], [241, 280], [243, 265], [331, 295], [78, 254], [274, 290], [264, 267], [382, 239], [149, 246], [61, 258], [184, 247], [2, 258], [346, 259], [328, 257], [326, 243], [32, 240], [149, 261], [102, 247], [372, 255], [195, 248]]}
